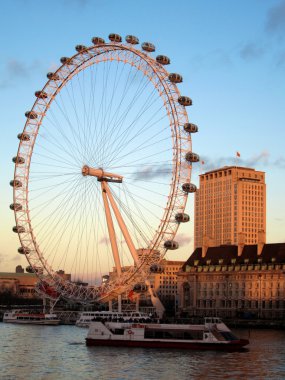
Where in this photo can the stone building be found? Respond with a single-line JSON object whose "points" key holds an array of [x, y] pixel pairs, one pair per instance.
{"points": [[18, 284], [163, 284], [230, 207], [21, 284], [234, 282]]}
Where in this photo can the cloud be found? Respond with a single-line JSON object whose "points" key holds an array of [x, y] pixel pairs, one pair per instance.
{"points": [[15, 70], [258, 160], [212, 59], [261, 159], [279, 163], [150, 172], [281, 59], [279, 219], [4, 258], [14, 258], [183, 239], [275, 22], [251, 51]]}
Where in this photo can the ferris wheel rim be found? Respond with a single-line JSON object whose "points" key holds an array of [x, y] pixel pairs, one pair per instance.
{"points": [[177, 124]]}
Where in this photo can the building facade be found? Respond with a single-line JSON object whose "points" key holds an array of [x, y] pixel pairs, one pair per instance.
{"points": [[232, 283], [23, 285], [19, 284], [230, 207], [163, 284]]}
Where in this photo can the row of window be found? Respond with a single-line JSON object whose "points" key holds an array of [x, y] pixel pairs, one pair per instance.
{"points": [[237, 285], [244, 277], [241, 304], [241, 293]]}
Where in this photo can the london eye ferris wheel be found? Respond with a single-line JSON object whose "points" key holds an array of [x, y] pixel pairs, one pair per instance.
{"points": [[103, 170]]}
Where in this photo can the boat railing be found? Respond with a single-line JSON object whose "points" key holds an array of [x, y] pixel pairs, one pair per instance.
{"points": [[212, 320]]}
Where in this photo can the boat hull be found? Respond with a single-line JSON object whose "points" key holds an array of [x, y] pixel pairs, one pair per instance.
{"points": [[215, 346], [24, 317], [29, 322]]}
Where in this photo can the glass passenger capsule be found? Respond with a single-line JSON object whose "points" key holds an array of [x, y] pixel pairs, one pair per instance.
{"points": [[189, 188], [19, 229], [115, 37], [175, 78], [41, 94], [31, 115], [190, 128], [140, 288], [156, 268], [18, 160], [163, 60], [98, 41], [16, 206], [171, 245], [24, 250], [185, 101], [192, 157], [52, 76], [148, 46], [80, 48], [132, 40], [66, 60], [16, 183], [31, 269], [23, 137], [181, 217]]}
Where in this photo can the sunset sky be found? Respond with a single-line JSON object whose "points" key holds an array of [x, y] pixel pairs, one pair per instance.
{"points": [[231, 55]]}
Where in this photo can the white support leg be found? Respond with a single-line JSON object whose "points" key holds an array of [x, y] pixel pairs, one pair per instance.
{"points": [[122, 225], [111, 229], [119, 303]]}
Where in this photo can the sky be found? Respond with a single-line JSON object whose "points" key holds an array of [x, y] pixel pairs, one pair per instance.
{"points": [[231, 55]]}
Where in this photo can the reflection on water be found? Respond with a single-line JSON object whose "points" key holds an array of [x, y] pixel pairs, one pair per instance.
{"points": [[59, 352]]}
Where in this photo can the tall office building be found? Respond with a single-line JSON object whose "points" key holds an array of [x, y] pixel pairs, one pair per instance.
{"points": [[230, 207]]}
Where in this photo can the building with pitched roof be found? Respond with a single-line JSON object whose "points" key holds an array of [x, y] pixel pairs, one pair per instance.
{"points": [[233, 281]]}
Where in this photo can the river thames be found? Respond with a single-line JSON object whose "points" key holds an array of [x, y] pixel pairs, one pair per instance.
{"points": [[59, 352]]}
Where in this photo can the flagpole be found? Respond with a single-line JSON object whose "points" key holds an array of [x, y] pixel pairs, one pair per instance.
{"points": [[237, 156]]}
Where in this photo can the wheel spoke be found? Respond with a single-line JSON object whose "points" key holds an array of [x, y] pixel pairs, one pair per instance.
{"points": [[113, 110]]}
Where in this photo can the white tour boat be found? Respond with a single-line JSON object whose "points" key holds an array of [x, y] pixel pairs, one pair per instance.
{"points": [[22, 316], [212, 335], [86, 317]]}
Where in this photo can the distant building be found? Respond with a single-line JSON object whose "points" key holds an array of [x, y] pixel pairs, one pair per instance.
{"points": [[19, 269], [164, 284], [232, 282], [19, 284], [22, 285], [230, 207], [65, 276]]}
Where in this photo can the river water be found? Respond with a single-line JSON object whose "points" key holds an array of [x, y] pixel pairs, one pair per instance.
{"points": [[59, 353]]}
